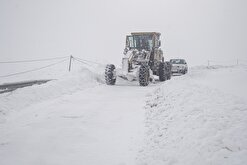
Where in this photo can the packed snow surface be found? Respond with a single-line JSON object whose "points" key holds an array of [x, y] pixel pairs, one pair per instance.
{"points": [[197, 118]]}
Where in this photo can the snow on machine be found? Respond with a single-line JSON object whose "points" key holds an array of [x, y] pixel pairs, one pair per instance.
{"points": [[143, 58]]}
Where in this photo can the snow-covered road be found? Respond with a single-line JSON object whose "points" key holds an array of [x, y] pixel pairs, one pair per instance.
{"points": [[199, 118], [99, 125]]}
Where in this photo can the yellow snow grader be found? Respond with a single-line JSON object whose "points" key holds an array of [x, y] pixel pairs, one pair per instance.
{"points": [[143, 58]]}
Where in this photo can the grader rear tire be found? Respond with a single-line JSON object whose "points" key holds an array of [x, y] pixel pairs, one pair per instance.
{"points": [[163, 72], [169, 70]]}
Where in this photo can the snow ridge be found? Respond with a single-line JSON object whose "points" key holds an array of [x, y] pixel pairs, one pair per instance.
{"points": [[190, 123], [68, 84]]}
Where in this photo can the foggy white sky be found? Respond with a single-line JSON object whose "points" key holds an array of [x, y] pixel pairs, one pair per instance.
{"points": [[196, 30]]}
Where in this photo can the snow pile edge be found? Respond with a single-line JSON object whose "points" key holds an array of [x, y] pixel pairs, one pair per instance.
{"points": [[68, 84], [188, 123]]}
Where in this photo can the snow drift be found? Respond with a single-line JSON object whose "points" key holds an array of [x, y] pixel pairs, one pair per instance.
{"points": [[67, 83], [198, 119]]}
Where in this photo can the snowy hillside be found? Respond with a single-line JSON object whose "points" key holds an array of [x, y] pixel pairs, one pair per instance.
{"points": [[198, 118]]}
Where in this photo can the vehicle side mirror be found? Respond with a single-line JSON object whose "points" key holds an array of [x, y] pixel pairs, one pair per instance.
{"points": [[125, 51], [159, 43]]}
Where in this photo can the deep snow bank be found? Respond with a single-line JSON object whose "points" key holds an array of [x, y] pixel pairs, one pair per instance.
{"points": [[199, 118], [68, 83]]}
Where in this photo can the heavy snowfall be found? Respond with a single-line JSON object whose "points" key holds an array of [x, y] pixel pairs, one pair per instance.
{"points": [[197, 118], [57, 109]]}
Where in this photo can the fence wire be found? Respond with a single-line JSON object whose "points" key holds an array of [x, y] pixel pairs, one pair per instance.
{"points": [[227, 62], [34, 60], [85, 61], [32, 70]]}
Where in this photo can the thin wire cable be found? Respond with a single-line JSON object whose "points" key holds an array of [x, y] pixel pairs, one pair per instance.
{"points": [[223, 61], [86, 65], [81, 61], [32, 70], [24, 61], [86, 60]]}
